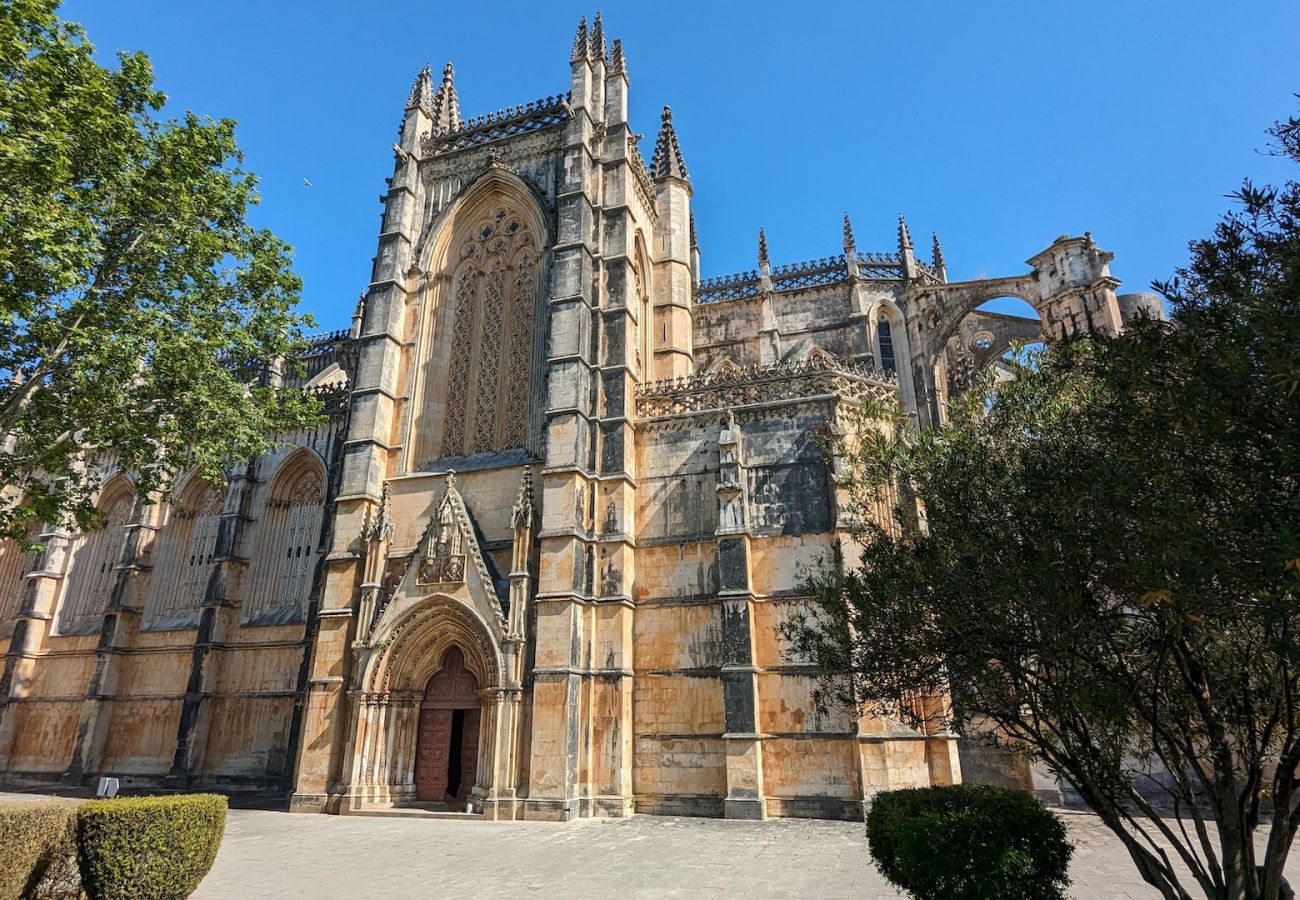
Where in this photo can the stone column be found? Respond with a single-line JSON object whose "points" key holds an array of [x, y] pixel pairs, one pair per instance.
{"points": [[218, 619], [567, 552], [117, 637], [31, 630], [374, 408], [744, 743]]}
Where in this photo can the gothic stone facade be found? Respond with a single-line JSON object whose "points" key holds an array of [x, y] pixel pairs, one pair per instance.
{"points": [[537, 556]]}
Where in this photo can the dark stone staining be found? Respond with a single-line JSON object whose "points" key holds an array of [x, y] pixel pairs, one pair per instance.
{"points": [[735, 632], [616, 287], [789, 500], [614, 390], [733, 568], [612, 449], [738, 699]]}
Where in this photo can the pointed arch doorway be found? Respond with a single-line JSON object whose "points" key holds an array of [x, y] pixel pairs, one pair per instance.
{"points": [[447, 738]]}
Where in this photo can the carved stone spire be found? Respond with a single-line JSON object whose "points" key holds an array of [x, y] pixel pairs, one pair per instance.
{"points": [[695, 241], [522, 513], [850, 248], [446, 106], [358, 316], [668, 162], [618, 64], [763, 260], [581, 43], [939, 264], [421, 92], [905, 253], [904, 236], [597, 40]]}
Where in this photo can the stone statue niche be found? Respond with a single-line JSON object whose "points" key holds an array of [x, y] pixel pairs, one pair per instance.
{"points": [[444, 562]]}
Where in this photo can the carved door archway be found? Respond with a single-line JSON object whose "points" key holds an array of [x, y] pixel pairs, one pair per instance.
{"points": [[447, 739]]}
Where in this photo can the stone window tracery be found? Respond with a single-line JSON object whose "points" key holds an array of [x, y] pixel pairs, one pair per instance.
{"points": [[285, 560], [95, 556], [485, 370], [16, 561], [189, 541]]}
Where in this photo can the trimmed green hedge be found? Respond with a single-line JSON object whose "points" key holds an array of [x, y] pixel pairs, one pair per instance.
{"points": [[38, 852], [969, 842], [148, 848]]}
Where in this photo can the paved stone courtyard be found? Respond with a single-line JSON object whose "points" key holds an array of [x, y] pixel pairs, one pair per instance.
{"points": [[273, 854]]}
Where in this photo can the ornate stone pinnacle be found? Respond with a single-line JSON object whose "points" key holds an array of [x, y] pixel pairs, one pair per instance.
{"points": [[581, 43], [938, 251], [904, 236], [421, 91], [522, 513], [451, 480], [446, 106], [668, 162], [618, 65], [381, 529], [597, 40], [849, 242], [762, 248]]}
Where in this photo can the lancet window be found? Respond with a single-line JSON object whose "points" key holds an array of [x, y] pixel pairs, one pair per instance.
{"points": [[95, 555], [886, 336], [285, 560], [16, 561], [189, 541]]}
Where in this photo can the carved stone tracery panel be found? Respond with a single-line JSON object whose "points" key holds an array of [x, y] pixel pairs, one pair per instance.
{"points": [[488, 368]]}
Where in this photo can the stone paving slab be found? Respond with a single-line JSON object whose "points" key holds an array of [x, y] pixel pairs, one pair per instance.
{"points": [[271, 854], [282, 855]]}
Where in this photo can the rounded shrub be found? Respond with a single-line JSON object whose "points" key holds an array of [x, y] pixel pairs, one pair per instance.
{"points": [[148, 848], [38, 853], [969, 842]]}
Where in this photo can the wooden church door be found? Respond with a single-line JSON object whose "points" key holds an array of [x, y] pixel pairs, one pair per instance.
{"points": [[446, 753]]}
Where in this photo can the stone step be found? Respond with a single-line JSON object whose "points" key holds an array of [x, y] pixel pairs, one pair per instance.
{"points": [[417, 812]]}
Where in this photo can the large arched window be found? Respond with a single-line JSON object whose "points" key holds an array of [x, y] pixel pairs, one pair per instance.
{"points": [[491, 343], [285, 558], [94, 557], [473, 384], [16, 561], [185, 555]]}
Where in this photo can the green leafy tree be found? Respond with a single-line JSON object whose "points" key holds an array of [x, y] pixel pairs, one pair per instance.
{"points": [[140, 313], [1101, 560]]}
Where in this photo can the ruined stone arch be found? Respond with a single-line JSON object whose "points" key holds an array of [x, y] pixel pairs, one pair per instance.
{"points": [[943, 307], [284, 553], [479, 322], [94, 555]]}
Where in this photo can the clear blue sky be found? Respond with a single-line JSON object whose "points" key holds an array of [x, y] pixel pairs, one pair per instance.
{"points": [[998, 125]]}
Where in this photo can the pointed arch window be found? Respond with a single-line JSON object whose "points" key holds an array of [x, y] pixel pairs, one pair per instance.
{"points": [[476, 393], [94, 558], [885, 332], [285, 564], [189, 541], [16, 562]]}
